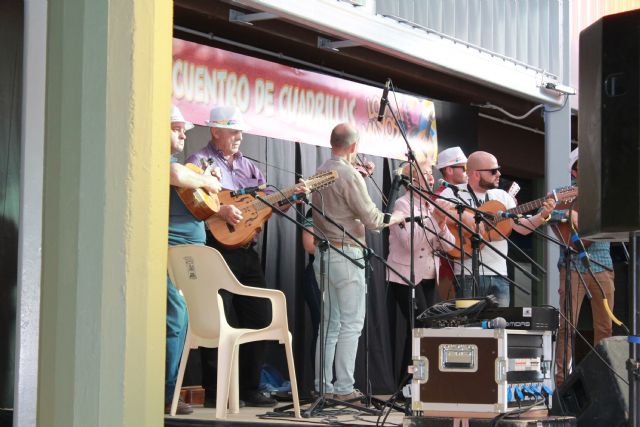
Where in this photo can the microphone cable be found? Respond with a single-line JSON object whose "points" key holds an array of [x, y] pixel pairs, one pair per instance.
{"points": [[584, 256]]}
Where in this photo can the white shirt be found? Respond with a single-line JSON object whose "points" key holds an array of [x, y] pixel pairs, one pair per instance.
{"points": [[487, 255]]}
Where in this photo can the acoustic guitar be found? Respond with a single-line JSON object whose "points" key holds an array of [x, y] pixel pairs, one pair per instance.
{"points": [[563, 196], [199, 201], [255, 213]]}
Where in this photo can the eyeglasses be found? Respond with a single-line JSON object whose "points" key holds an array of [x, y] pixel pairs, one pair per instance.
{"points": [[492, 170], [463, 167]]}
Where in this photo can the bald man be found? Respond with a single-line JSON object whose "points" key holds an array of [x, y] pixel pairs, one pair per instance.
{"points": [[348, 203], [483, 172]]}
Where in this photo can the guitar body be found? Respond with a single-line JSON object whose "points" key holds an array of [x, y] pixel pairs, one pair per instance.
{"points": [[562, 230], [563, 196], [198, 201], [255, 212], [505, 226], [241, 234]]}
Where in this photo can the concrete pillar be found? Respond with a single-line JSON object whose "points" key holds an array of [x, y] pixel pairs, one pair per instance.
{"points": [[557, 148], [101, 355]]}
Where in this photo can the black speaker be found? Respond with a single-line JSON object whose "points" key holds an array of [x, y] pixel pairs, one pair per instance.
{"points": [[593, 393], [609, 127]]}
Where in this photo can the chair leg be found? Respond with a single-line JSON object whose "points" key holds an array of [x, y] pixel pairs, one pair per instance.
{"points": [[234, 391], [292, 374], [183, 365], [226, 354]]}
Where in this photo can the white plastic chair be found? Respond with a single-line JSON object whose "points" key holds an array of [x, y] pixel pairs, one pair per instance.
{"points": [[200, 272]]}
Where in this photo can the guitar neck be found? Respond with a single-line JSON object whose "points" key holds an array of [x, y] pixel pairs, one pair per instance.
{"points": [[527, 207]]}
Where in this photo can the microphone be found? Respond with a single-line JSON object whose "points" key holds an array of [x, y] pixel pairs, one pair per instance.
{"points": [[292, 199], [383, 100], [497, 323], [453, 187], [248, 190], [503, 214], [395, 188]]}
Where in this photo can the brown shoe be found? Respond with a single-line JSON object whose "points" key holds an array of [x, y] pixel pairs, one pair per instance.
{"points": [[354, 397], [183, 408]]}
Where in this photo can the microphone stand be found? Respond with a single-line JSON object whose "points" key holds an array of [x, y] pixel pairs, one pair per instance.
{"points": [[569, 321], [471, 231], [367, 254], [321, 402]]}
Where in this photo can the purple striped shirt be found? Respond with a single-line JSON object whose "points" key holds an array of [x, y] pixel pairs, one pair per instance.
{"points": [[241, 173]]}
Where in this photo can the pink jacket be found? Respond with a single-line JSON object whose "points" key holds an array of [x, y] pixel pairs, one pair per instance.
{"points": [[426, 263]]}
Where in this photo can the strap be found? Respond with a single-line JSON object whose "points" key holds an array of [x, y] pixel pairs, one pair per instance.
{"points": [[477, 202]]}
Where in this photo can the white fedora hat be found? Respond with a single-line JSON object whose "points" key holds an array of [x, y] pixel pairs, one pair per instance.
{"points": [[177, 117], [226, 118], [451, 157]]}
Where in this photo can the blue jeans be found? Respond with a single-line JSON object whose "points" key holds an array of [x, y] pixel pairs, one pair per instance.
{"points": [[344, 311], [489, 285], [177, 320]]}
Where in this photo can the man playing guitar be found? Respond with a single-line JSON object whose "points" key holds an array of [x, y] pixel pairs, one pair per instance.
{"points": [[484, 176], [237, 172]]}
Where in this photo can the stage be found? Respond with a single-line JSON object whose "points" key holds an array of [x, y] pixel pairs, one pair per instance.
{"points": [[347, 416], [258, 416]]}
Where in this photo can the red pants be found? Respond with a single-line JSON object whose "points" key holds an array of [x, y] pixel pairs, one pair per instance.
{"points": [[601, 321]]}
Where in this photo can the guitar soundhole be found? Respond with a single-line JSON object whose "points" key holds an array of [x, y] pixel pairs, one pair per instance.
{"points": [[231, 228]]}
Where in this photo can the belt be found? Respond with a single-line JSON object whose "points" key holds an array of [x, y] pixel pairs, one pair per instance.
{"points": [[341, 244]]}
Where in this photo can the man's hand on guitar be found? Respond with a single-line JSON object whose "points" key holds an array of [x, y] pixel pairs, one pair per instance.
{"points": [[211, 183], [230, 214], [547, 207]]}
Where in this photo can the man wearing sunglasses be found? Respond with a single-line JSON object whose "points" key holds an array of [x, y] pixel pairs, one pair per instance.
{"points": [[484, 174]]}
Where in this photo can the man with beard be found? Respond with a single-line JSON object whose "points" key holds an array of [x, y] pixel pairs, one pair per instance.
{"points": [[484, 176]]}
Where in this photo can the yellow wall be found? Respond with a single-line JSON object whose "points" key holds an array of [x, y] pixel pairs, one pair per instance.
{"points": [[105, 216]]}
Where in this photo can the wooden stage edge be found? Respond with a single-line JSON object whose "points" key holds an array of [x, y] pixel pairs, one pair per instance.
{"points": [[253, 416]]}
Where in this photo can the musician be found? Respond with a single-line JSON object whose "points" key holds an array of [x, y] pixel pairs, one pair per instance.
{"points": [[597, 251], [484, 174], [184, 228], [226, 126], [348, 203], [452, 164], [432, 235]]}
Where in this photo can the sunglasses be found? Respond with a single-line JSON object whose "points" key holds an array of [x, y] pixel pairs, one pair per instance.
{"points": [[493, 170], [463, 167]]}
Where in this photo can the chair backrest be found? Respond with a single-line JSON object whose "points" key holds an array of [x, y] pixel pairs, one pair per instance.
{"points": [[200, 272]]}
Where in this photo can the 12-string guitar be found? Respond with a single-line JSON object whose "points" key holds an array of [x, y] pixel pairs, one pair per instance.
{"points": [[255, 213], [563, 196]]}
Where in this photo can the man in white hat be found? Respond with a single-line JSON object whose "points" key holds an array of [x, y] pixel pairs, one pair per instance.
{"points": [[597, 251], [223, 150], [452, 164], [184, 228]]}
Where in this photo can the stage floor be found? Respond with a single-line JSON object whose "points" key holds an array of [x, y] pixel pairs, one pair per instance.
{"points": [[256, 416]]}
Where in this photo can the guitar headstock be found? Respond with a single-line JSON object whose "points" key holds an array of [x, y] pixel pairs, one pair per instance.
{"points": [[321, 180], [565, 196]]}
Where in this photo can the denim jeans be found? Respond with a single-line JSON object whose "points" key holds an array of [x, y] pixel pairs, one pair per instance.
{"points": [[177, 320], [344, 312], [489, 285]]}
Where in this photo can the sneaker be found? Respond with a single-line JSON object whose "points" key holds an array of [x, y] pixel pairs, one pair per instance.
{"points": [[211, 403], [352, 397], [183, 408], [257, 399]]}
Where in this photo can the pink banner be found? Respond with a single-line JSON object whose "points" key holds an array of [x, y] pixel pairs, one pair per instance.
{"points": [[287, 103]]}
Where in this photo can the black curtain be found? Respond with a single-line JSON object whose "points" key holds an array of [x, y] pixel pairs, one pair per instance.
{"points": [[284, 259], [11, 28]]}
